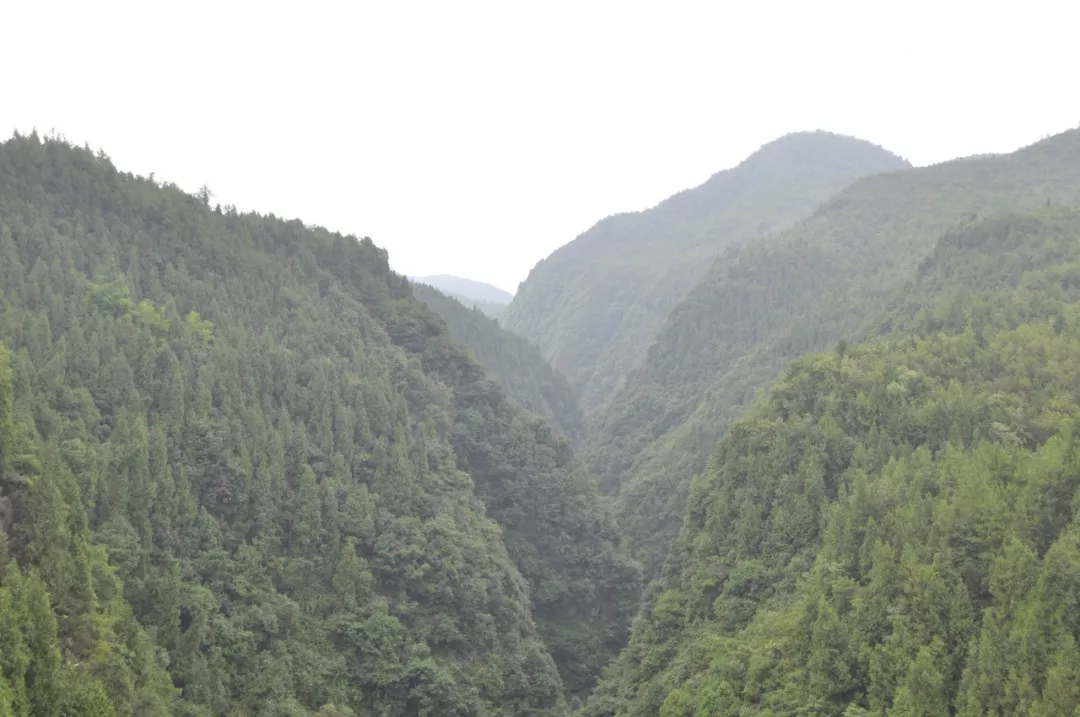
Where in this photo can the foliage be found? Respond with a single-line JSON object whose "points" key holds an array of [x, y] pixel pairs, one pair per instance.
{"points": [[248, 473], [765, 303], [594, 305], [559, 531], [893, 528], [516, 364]]}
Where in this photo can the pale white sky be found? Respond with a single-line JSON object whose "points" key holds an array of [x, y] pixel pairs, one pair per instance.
{"points": [[474, 138]]}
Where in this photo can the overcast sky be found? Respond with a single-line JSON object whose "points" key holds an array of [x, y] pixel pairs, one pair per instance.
{"points": [[475, 138]]}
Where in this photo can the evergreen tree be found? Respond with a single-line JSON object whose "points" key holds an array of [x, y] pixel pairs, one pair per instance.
{"points": [[244, 471]]}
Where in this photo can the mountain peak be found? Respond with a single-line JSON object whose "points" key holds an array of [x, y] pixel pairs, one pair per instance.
{"points": [[594, 304], [824, 145]]}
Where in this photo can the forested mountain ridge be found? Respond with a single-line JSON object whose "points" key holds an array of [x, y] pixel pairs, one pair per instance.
{"points": [[594, 305], [893, 528], [492, 300], [765, 303], [250, 474], [518, 366]]}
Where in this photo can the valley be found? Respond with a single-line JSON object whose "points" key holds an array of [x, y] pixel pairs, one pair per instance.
{"points": [[801, 440]]}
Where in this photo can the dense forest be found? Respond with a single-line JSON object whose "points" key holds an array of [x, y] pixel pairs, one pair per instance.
{"points": [[594, 305], [767, 302], [517, 365], [802, 441], [893, 528], [245, 471]]}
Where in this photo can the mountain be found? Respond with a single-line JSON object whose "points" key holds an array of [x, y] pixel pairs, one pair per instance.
{"points": [[473, 290], [245, 468], [765, 303], [490, 299], [892, 528], [594, 305], [244, 471], [489, 309], [516, 364]]}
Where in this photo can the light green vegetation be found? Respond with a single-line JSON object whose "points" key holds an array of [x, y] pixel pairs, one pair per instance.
{"points": [[892, 529], [764, 304]]}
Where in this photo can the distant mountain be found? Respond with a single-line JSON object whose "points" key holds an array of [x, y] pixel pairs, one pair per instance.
{"points": [[594, 305], [764, 304], [528, 379], [490, 299], [491, 310]]}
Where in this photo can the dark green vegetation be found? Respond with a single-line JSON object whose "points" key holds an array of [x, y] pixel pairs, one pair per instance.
{"points": [[491, 300], [246, 469], [893, 529], [594, 306], [243, 471], [518, 366], [767, 302]]}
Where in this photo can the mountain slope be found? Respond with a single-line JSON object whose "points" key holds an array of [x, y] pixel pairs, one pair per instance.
{"points": [[594, 305], [892, 529], [241, 449], [516, 364], [765, 303]]}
